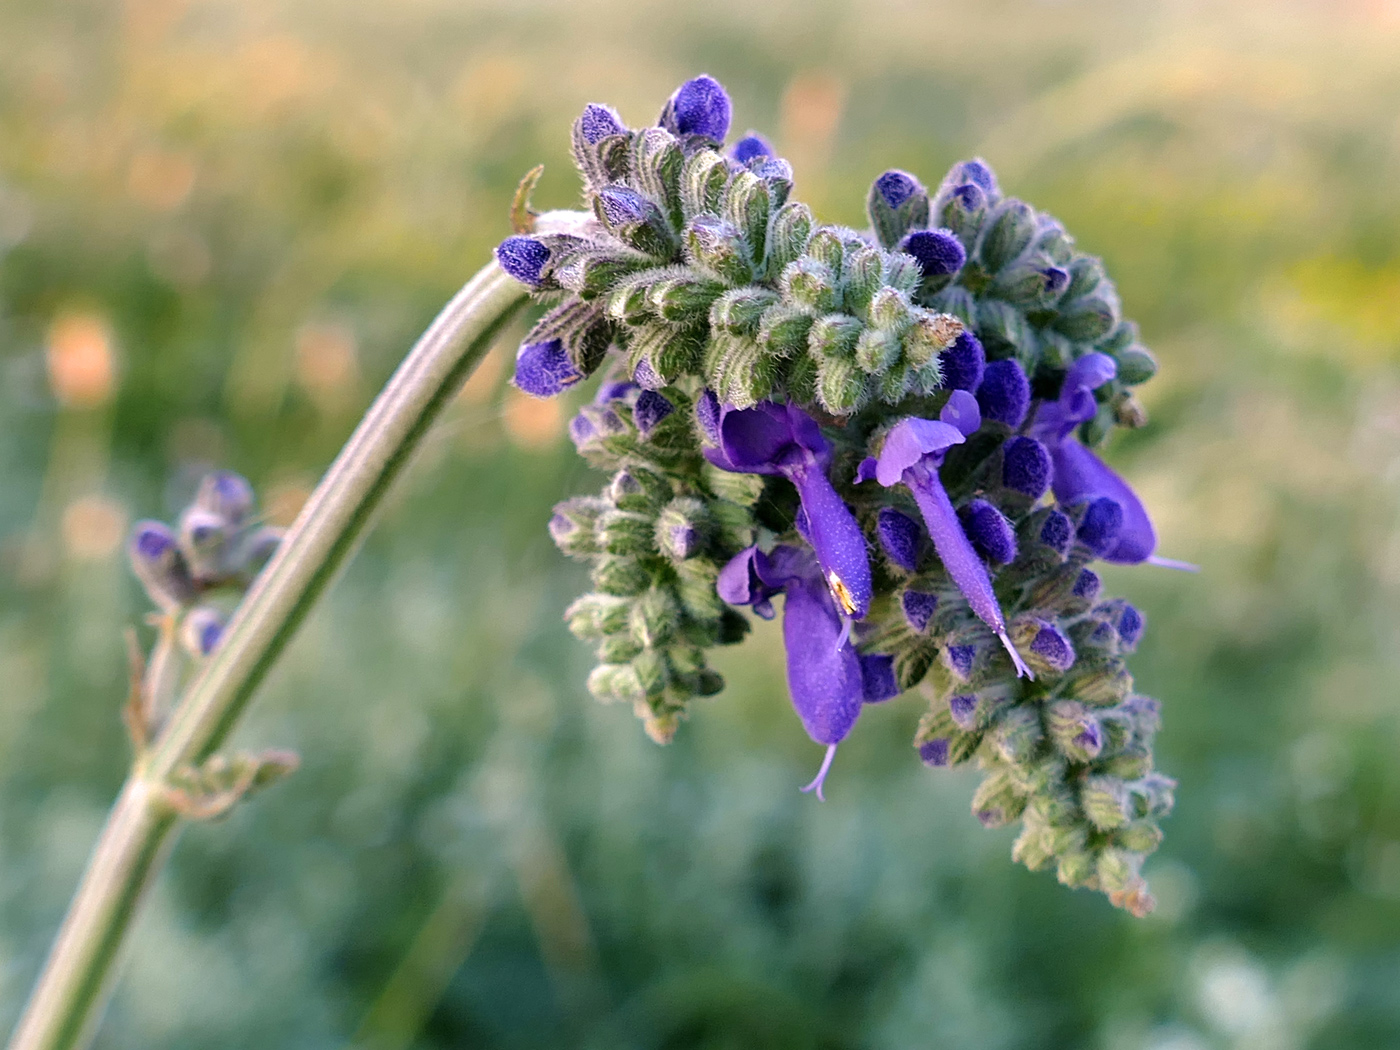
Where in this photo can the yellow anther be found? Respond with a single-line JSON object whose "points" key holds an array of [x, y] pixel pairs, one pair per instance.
{"points": [[841, 593]]}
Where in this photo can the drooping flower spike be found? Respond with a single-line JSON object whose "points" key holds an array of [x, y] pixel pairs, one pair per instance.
{"points": [[1080, 475], [725, 318], [829, 681], [912, 453], [782, 439]]}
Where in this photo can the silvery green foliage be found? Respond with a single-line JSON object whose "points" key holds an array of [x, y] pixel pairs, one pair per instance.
{"points": [[704, 289]]}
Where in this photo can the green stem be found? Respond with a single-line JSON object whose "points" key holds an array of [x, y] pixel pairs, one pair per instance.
{"points": [[67, 1001]]}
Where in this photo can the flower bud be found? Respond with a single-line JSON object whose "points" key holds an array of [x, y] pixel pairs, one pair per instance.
{"points": [[1025, 466], [598, 122], [1090, 318], [997, 802], [524, 258], [897, 203], [201, 630], [1005, 393], [751, 147], [901, 537], [626, 533], [1100, 526], [739, 310], [939, 253], [1017, 734], [651, 408], [639, 489], [699, 107], [1008, 233], [747, 205], [1075, 731], [808, 283], [544, 369], [595, 616], [919, 607], [963, 363], [784, 329], [204, 538], [788, 236], [841, 386], [834, 335], [1135, 365], [656, 617], [615, 683], [717, 247], [156, 559], [927, 338], [620, 575], [681, 529], [574, 523], [990, 533], [635, 220]]}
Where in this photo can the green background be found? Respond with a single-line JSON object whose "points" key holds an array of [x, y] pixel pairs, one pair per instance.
{"points": [[223, 221]]}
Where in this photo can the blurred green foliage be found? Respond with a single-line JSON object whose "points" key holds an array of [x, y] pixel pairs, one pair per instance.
{"points": [[222, 224]]}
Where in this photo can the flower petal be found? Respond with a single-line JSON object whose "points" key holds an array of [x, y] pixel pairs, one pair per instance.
{"points": [[910, 441], [963, 412], [837, 538], [753, 439], [1079, 475], [825, 681]]}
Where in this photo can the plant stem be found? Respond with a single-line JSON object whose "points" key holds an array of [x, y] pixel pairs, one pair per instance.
{"points": [[67, 1001]]}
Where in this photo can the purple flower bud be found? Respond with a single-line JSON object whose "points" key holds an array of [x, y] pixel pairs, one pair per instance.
{"points": [[581, 431], [613, 390], [1057, 532], [919, 608], [991, 534], [707, 414], [960, 659], [226, 495], [899, 536], [969, 196], [152, 540], [598, 122], [877, 673], [1052, 648], [646, 376], [963, 708], [935, 752], [1025, 466], [681, 540], [1130, 626], [1056, 279], [699, 107], [202, 629], [651, 408], [621, 206], [1005, 393], [524, 258], [1091, 739], [896, 187], [963, 363], [938, 252], [1102, 523], [750, 146], [977, 171], [1087, 585], [544, 369], [159, 565]]}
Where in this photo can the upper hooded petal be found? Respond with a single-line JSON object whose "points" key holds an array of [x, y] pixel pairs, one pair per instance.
{"points": [[910, 441]]}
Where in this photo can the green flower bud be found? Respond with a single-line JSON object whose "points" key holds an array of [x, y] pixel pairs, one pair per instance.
{"points": [[1105, 802], [1008, 233], [657, 160], [639, 489], [997, 802], [651, 671], [842, 387], [617, 649], [834, 335], [1089, 318], [783, 331], [739, 310], [929, 336], [624, 532], [684, 299], [615, 683], [717, 247], [573, 527], [807, 283], [703, 176], [595, 616], [1135, 365], [792, 227], [1017, 734], [619, 575], [746, 205]]}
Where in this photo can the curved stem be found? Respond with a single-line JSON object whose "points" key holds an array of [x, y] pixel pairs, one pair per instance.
{"points": [[67, 1000]]}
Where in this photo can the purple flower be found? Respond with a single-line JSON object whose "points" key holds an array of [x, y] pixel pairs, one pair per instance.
{"points": [[699, 107], [750, 146], [598, 122], [938, 252], [829, 681], [1081, 475], [544, 369], [782, 439], [1005, 393], [524, 258], [963, 363], [912, 453]]}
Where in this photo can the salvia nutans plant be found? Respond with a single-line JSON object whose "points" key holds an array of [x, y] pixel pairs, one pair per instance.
{"points": [[893, 428]]}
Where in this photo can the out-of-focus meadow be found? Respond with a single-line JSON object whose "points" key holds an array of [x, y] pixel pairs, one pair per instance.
{"points": [[221, 225]]}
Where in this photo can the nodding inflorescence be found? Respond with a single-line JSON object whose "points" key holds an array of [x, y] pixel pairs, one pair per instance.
{"points": [[890, 429]]}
